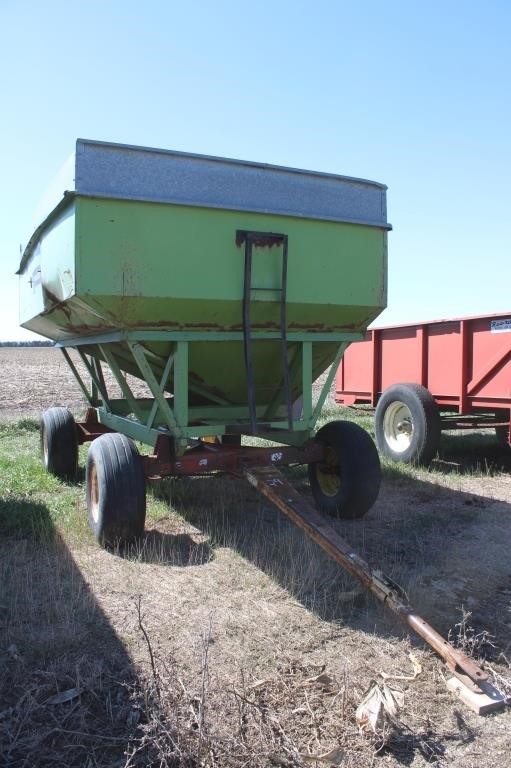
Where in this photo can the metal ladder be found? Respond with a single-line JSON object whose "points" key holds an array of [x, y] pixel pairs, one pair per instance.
{"points": [[263, 240]]}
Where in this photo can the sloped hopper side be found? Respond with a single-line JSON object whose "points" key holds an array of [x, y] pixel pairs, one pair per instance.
{"points": [[145, 240]]}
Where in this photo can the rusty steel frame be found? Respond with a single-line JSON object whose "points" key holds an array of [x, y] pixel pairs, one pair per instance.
{"points": [[204, 457], [211, 457], [90, 429], [481, 421]]}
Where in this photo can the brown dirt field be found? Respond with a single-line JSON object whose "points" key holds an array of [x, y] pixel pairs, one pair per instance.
{"points": [[37, 378], [243, 614], [34, 379]]}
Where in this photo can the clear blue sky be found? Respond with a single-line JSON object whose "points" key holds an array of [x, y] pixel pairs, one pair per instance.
{"points": [[415, 95]]}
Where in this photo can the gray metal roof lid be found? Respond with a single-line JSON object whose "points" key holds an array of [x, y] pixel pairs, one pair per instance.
{"points": [[140, 173]]}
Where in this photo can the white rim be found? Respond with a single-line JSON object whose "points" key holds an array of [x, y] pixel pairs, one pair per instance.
{"points": [[45, 447], [398, 427], [94, 494]]}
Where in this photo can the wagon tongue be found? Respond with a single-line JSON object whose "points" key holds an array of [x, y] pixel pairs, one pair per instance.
{"points": [[471, 680]]}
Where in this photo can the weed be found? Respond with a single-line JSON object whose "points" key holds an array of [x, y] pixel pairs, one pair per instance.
{"points": [[478, 644], [20, 426]]}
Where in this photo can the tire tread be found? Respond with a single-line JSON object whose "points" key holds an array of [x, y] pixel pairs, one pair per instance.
{"points": [[360, 470], [59, 426], [121, 485]]}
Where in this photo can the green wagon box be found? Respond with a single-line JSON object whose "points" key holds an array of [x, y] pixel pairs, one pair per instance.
{"points": [[228, 287]]}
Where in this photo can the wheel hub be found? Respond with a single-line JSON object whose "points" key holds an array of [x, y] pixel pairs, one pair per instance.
{"points": [[405, 427], [398, 426], [328, 473]]}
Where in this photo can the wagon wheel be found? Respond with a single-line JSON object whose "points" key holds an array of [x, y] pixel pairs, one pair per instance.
{"points": [[115, 481], [407, 424], [347, 482], [502, 435], [59, 444]]}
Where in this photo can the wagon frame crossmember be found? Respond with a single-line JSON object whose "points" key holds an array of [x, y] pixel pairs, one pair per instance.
{"points": [[169, 412], [205, 457]]}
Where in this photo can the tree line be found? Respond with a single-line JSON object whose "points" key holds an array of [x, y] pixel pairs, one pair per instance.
{"points": [[26, 343]]}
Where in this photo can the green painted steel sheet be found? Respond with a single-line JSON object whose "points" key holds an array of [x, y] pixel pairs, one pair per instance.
{"points": [[145, 265]]}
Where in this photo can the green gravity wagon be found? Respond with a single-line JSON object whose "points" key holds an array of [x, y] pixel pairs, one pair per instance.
{"points": [[223, 289], [227, 287]]}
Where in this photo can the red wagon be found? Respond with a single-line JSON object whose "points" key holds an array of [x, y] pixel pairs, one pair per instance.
{"points": [[422, 378]]}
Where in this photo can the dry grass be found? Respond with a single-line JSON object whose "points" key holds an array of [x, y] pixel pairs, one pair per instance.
{"points": [[298, 716], [228, 639], [200, 648]]}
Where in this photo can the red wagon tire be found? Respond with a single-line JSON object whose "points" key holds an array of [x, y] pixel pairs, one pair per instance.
{"points": [[407, 424], [347, 482], [502, 435]]}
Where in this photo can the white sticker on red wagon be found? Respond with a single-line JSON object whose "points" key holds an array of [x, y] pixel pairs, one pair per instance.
{"points": [[501, 326]]}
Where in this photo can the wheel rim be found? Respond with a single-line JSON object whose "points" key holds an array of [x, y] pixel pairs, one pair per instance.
{"points": [[45, 447], [328, 473], [398, 427], [94, 494]]}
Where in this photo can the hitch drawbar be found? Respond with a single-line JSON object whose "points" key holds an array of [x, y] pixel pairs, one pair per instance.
{"points": [[471, 681]]}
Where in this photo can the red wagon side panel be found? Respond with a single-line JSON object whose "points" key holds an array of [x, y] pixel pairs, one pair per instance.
{"points": [[401, 356], [445, 361], [465, 363], [490, 373], [354, 378]]}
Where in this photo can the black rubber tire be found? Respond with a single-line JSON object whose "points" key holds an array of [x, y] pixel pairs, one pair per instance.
{"points": [[351, 485], [115, 490], [502, 435], [422, 417], [59, 443]]}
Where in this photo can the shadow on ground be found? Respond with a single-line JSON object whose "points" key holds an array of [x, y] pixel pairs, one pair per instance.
{"points": [[162, 548], [471, 453], [66, 681]]}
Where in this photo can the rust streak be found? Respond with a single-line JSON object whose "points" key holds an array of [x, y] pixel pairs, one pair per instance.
{"points": [[57, 304]]}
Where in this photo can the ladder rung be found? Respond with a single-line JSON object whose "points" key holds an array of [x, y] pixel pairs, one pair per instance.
{"points": [[278, 290]]}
